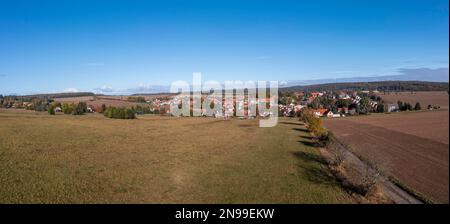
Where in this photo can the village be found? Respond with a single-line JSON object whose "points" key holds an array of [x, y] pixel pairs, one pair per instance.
{"points": [[329, 104], [334, 104]]}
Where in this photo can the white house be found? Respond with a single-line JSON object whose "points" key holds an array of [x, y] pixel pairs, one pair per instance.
{"points": [[391, 107], [331, 114]]}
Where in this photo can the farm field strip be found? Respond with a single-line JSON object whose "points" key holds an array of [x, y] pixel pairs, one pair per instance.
{"points": [[420, 163], [433, 125], [425, 98]]}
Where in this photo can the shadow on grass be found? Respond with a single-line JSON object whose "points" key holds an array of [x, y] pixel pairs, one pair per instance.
{"points": [[246, 125], [308, 163], [301, 129], [291, 123], [308, 143], [309, 157]]}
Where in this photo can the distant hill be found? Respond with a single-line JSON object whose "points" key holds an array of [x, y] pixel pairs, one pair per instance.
{"points": [[391, 86], [59, 95], [154, 94], [414, 74]]}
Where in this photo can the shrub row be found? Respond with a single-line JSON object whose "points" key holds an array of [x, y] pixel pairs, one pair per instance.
{"points": [[74, 109], [119, 113], [323, 136]]}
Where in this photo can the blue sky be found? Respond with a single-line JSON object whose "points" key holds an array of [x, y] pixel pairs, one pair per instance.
{"points": [[114, 46]]}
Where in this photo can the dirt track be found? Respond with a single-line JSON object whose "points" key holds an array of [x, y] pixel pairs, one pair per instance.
{"points": [[420, 163]]}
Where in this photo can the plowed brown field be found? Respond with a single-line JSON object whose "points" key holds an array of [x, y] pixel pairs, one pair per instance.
{"points": [[413, 147]]}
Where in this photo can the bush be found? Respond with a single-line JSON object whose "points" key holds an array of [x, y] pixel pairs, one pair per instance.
{"points": [[338, 157], [130, 114], [315, 125], [404, 106], [369, 180], [324, 138], [305, 115], [68, 108], [108, 112], [381, 108], [101, 109], [80, 109], [40, 106], [120, 113], [51, 110], [408, 106], [417, 106]]}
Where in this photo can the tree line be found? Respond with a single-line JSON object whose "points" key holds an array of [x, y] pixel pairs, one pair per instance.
{"points": [[315, 127], [119, 113], [403, 106], [382, 86]]}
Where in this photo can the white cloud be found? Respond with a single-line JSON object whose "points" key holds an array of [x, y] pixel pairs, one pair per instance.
{"points": [[71, 90], [105, 89], [147, 88]]}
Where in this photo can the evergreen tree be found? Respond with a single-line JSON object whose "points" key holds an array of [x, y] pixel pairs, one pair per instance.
{"points": [[80, 109], [380, 108], [417, 106]]}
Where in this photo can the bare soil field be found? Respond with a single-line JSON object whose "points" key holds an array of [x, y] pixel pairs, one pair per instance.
{"points": [[107, 97], [153, 159], [413, 147], [74, 99], [433, 125], [439, 98], [116, 101]]}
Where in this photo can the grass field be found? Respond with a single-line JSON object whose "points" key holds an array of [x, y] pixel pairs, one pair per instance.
{"points": [[93, 159], [411, 146]]}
